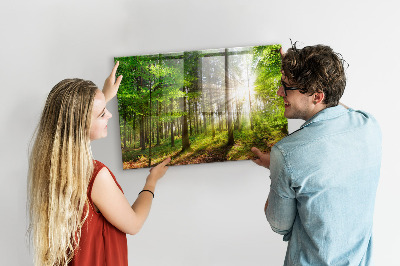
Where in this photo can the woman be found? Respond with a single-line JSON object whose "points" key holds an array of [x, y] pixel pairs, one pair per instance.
{"points": [[78, 212]]}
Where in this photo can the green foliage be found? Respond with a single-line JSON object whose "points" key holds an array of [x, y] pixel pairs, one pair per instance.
{"points": [[267, 60], [146, 81], [270, 123]]}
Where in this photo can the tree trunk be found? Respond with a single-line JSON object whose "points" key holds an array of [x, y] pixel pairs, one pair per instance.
{"points": [[228, 101], [185, 130], [158, 123], [124, 135], [150, 129], [134, 130], [211, 110], [196, 118], [190, 119], [172, 127], [142, 137], [248, 86]]}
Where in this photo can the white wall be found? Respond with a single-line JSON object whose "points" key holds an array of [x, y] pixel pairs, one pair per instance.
{"points": [[208, 214]]}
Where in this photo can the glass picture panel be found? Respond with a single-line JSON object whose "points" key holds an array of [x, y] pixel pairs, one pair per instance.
{"points": [[199, 106]]}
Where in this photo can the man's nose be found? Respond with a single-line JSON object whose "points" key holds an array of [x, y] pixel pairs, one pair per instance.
{"points": [[280, 91]]}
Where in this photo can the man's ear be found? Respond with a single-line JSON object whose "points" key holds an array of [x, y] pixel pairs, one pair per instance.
{"points": [[318, 97], [281, 52]]}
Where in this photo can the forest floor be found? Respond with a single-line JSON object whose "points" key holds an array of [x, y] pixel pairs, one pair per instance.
{"points": [[203, 149]]}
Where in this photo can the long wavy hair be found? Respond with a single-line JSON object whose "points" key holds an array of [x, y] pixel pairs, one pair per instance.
{"points": [[60, 168]]}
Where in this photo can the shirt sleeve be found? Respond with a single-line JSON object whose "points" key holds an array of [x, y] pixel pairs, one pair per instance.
{"points": [[281, 210]]}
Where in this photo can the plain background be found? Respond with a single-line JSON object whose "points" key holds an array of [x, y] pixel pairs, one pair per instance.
{"points": [[209, 214]]}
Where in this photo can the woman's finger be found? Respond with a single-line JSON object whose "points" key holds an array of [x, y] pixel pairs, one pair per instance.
{"points": [[166, 161], [114, 70]]}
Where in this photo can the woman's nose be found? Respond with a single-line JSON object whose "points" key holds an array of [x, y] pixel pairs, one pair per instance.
{"points": [[109, 114]]}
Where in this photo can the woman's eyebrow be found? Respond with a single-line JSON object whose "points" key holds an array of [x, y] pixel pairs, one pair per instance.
{"points": [[101, 112]]}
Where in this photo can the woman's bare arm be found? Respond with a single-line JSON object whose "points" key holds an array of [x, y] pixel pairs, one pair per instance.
{"points": [[114, 206]]}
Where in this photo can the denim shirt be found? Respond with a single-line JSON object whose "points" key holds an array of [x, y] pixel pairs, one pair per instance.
{"points": [[324, 178]]}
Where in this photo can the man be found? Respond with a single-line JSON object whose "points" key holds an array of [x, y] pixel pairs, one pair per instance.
{"points": [[323, 176]]}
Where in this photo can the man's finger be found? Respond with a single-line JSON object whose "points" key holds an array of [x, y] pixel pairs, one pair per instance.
{"points": [[257, 161], [256, 151]]}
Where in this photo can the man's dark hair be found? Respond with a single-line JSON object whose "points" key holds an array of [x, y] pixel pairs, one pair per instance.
{"points": [[316, 69]]}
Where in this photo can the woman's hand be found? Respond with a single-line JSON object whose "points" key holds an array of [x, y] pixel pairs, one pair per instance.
{"points": [[158, 171], [111, 86], [263, 159]]}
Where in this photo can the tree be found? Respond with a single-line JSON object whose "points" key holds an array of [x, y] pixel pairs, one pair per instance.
{"points": [[228, 99], [191, 75]]}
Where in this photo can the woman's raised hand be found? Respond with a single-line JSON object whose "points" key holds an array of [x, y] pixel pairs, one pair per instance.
{"points": [[111, 85], [158, 171]]}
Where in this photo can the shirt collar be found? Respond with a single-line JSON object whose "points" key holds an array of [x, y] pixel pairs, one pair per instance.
{"points": [[326, 114]]}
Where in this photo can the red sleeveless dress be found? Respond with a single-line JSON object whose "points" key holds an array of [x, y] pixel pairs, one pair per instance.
{"points": [[101, 243]]}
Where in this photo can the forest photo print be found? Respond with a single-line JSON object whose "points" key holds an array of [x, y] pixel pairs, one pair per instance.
{"points": [[199, 106]]}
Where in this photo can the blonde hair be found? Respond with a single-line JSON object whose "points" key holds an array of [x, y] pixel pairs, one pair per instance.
{"points": [[60, 168]]}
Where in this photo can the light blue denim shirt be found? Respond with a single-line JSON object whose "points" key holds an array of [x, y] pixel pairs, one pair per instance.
{"points": [[323, 183]]}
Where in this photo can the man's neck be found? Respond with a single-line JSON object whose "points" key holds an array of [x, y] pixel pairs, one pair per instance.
{"points": [[318, 108]]}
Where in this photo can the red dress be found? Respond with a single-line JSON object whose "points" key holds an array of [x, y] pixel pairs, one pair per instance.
{"points": [[101, 243]]}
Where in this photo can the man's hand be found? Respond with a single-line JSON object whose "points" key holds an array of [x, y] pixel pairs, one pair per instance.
{"points": [[263, 159], [110, 85]]}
